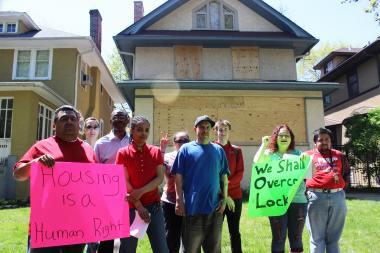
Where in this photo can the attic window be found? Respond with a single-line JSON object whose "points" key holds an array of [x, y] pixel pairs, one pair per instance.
{"points": [[215, 15], [11, 28], [328, 67]]}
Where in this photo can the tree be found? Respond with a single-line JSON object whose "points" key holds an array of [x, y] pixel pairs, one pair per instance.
{"points": [[117, 69], [373, 6], [305, 69], [363, 147], [116, 66]]}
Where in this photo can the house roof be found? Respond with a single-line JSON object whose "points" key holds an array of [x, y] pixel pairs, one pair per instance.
{"points": [[129, 87], [340, 52], [292, 36], [361, 56], [16, 15]]}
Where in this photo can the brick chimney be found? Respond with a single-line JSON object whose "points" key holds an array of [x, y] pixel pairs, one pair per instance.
{"points": [[96, 28], [139, 10]]}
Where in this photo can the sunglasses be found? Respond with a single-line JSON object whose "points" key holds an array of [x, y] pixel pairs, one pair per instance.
{"points": [[181, 141], [92, 127]]}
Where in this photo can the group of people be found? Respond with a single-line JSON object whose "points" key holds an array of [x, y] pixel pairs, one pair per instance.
{"points": [[202, 185]]}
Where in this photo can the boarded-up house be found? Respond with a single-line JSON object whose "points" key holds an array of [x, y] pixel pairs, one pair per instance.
{"points": [[229, 59]]}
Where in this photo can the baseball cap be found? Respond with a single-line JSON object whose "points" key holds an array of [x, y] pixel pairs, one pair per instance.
{"points": [[204, 118]]}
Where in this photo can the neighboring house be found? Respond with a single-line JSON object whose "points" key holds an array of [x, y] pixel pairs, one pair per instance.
{"points": [[358, 70], [42, 69], [229, 59]]}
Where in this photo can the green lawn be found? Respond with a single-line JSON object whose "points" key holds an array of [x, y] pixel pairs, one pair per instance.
{"points": [[361, 233]]}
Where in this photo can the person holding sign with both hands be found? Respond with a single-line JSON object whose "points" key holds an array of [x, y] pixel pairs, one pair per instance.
{"points": [[281, 145], [144, 172]]}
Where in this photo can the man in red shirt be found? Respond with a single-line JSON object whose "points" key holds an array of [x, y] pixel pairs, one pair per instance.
{"points": [[236, 165], [327, 209], [65, 146]]}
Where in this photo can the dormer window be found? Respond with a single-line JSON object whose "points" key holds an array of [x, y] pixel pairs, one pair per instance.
{"points": [[11, 28], [215, 15], [8, 27]]}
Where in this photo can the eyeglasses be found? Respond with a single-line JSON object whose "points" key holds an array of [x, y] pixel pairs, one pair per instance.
{"points": [[181, 141], [92, 127]]}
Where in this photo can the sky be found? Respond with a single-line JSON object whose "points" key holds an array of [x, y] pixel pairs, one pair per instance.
{"points": [[327, 20]]}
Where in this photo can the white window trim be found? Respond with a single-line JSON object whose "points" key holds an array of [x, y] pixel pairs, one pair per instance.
{"points": [[221, 15], [1, 98], [32, 68], [38, 117], [5, 27]]}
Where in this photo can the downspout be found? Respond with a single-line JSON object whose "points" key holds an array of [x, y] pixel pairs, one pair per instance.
{"points": [[133, 61]]}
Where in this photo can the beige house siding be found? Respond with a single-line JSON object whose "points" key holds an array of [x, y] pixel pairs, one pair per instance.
{"points": [[25, 112], [64, 73], [217, 64], [6, 63], [277, 64], [182, 18], [154, 63], [367, 75], [21, 27]]}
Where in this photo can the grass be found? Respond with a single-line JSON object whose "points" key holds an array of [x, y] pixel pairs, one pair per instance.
{"points": [[361, 232]]}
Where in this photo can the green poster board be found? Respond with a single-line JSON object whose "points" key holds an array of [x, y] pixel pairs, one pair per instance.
{"points": [[274, 184]]}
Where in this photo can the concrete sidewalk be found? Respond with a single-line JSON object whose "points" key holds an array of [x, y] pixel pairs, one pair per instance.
{"points": [[363, 196]]}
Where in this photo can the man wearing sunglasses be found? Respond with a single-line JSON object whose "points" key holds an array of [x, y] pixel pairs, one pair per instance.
{"points": [[106, 149], [172, 221]]}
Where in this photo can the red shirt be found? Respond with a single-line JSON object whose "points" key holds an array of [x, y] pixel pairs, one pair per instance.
{"points": [[324, 168], [62, 151], [142, 168], [236, 165]]}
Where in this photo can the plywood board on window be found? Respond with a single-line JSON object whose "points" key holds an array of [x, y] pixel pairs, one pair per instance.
{"points": [[251, 117], [245, 63], [188, 62]]}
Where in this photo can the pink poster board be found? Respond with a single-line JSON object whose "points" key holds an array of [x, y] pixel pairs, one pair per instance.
{"points": [[77, 203]]}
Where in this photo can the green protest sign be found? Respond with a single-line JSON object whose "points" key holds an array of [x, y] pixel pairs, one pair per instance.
{"points": [[274, 184]]}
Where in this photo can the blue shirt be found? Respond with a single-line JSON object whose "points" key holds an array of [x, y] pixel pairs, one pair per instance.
{"points": [[201, 167], [106, 147]]}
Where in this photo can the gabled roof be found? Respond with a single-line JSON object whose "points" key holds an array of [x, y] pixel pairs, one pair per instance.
{"points": [[292, 36], [351, 63], [340, 52]]}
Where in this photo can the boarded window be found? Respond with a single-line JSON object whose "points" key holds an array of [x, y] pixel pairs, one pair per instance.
{"points": [[188, 62], [245, 63]]}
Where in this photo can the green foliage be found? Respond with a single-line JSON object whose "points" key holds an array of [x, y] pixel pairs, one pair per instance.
{"points": [[116, 66], [373, 7], [305, 66], [363, 131]]}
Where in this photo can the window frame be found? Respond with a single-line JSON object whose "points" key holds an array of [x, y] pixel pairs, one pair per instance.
{"points": [[10, 23], [32, 64], [221, 16], [351, 92], [5, 128], [45, 108]]}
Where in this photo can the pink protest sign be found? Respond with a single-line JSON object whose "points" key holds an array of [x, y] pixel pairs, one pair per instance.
{"points": [[77, 203]]}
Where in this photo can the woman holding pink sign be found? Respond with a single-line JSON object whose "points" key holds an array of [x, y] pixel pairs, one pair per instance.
{"points": [[281, 145], [144, 172]]}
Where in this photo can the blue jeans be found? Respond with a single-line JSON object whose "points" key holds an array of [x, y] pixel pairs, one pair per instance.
{"points": [[202, 230], [292, 222], [326, 214], [155, 231]]}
